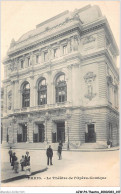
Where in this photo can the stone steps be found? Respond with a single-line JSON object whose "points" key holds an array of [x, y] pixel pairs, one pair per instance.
{"points": [[28, 146], [93, 146]]}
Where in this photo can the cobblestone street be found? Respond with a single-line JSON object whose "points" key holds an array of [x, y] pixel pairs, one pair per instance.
{"points": [[75, 169]]}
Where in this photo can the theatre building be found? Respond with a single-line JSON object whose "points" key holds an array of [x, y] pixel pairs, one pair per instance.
{"points": [[61, 84]]}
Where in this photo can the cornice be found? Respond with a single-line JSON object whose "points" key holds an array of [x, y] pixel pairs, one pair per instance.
{"points": [[82, 108], [48, 38], [98, 54]]}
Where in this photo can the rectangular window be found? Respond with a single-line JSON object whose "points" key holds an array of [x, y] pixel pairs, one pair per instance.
{"points": [[45, 56], [55, 53], [22, 64], [37, 58], [28, 61], [65, 49]]}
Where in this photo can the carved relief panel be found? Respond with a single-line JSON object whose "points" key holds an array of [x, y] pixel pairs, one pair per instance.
{"points": [[89, 80], [89, 42]]}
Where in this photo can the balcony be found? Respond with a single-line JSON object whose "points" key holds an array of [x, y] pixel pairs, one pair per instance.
{"points": [[45, 107]]}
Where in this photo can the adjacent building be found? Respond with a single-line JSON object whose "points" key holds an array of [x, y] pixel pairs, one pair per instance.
{"points": [[61, 83]]}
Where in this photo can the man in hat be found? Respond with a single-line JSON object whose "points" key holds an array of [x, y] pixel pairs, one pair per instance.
{"points": [[49, 154]]}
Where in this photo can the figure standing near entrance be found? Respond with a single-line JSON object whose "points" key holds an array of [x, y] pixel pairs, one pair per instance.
{"points": [[49, 154], [60, 151]]}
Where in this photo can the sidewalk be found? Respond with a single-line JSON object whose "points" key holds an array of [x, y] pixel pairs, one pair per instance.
{"points": [[37, 162], [8, 175]]}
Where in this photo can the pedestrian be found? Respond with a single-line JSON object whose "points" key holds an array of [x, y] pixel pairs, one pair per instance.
{"points": [[13, 159], [60, 143], [27, 159], [16, 165], [22, 162], [49, 154], [59, 151], [109, 143], [10, 154]]}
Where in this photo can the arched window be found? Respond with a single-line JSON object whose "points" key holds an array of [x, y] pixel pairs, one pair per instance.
{"points": [[26, 95], [42, 92], [61, 89]]}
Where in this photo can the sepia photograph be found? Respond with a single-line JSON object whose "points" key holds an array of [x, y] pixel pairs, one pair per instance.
{"points": [[60, 94]]}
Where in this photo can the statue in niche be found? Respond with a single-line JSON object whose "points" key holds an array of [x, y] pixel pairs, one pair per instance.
{"points": [[9, 100], [89, 79], [76, 43]]}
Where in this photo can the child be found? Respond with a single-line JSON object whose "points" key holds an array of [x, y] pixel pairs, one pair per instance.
{"points": [[28, 171], [16, 165], [22, 162], [10, 154], [27, 165]]}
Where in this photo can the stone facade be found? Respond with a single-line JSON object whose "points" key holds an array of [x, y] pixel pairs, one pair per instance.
{"points": [[80, 46]]}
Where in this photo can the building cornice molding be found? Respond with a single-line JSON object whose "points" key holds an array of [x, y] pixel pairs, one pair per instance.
{"points": [[46, 39], [76, 27], [98, 54], [52, 109]]}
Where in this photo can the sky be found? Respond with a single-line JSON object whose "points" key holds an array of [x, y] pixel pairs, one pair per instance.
{"points": [[19, 17]]}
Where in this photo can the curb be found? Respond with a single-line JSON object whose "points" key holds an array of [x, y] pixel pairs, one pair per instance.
{"points": [[95, 150], [22, 176], [77, 150]]}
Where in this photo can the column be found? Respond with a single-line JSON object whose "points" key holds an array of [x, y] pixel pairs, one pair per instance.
{"points": [[15, 129], [47, 118], [45, 128], [69, 84], [66, 132], [32, 97], [53, 100], [35, 93], [30, 127], [49, 88], [11, 132], [5, 100], [4, 137], [75, 84], [16, 97], [13, 95]]}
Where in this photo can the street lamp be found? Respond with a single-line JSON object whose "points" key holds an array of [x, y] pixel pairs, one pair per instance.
{"points": [[68, 139], [68, 117]]}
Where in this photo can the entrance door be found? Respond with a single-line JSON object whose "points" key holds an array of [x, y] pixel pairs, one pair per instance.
{"points": [[24, 133], [91, 135], [41, 134], [61, 132]]}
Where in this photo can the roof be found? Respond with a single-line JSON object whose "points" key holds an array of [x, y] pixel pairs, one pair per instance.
{"points": [[50, 23]]}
